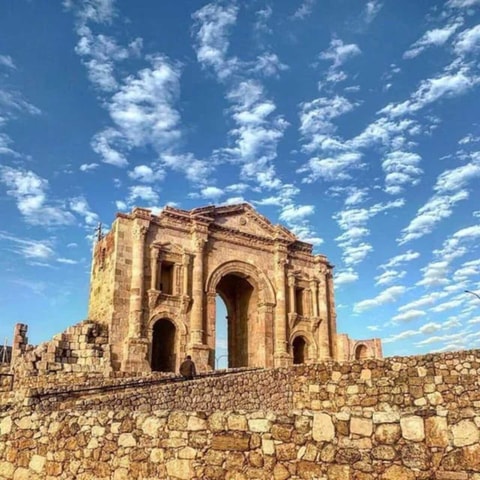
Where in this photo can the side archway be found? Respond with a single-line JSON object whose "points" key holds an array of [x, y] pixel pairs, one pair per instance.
{"points": [[166, 339], [303, 347], [361, 351]]}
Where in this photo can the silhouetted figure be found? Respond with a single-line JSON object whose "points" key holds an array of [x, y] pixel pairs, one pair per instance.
{"points": [[187, 368]]}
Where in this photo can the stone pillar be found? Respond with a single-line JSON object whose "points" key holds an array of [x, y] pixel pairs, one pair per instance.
{"points": [[196, 322], [211, 325], [332, 316], [281, 356], [186, 273], [198, 349], [154, 254], [291, 293], [314, 297], [323, 330], [136, 348]]}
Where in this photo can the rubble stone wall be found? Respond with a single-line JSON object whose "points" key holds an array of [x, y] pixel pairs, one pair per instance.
{"points": [[399, 418], [79, 349]]}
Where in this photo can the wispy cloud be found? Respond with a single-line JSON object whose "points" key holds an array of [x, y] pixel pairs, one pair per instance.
{"points": [[30, 192], [304, 10], [435, 37], [389, 295]]}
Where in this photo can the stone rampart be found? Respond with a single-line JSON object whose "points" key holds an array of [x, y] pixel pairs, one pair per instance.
{"points": [[399, 418]]}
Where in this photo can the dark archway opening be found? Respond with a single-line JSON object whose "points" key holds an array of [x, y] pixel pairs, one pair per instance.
{"points": [[239, 298], [163, 346], [361, 352], [299, 350]]}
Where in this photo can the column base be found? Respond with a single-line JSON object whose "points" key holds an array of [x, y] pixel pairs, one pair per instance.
{"points": [[201, 356], [282, 360], [135, 356]]}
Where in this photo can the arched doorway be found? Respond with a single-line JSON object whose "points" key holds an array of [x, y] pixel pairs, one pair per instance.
{"points": [[299, 350], [163, 346], [240, 298], [361, 352]]}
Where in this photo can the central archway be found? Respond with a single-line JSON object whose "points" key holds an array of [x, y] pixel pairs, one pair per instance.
{"points": [[240, 299], [249, 300]]}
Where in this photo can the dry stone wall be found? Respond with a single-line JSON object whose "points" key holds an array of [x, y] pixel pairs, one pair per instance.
{"points": [[80, 349], [402, 418]]}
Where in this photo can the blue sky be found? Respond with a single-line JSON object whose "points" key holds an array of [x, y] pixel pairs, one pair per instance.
{"points": [[353, 123]]}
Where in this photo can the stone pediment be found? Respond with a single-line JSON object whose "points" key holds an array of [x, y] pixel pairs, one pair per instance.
{"points": [[245, 219]]}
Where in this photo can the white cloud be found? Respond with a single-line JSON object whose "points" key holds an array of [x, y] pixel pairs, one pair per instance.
{"points": [[268, 65], [456, 302], [457, 178], [371, 10], [462, 3], [30, 193], [142, 192], [430, 90], [389, 276], [435, 37], [97, 11], [213, 23], [400, 336], [468, 41], [435, 274], [105, 144], [433, 212], [86, 167], [316, 119], [67, 261], [194, 169], [335, 168], [80, 205], [389, 295], [401, 169], [400, 259], [353, 223], [101, 53], [345, 276], [145, 174], [143, 108], [292, 213], [212, 192], [408, 316], [304, 10], [30, 249], [339, 52], [7, 61]]}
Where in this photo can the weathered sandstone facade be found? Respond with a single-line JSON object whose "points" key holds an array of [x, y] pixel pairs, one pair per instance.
{"points": [[155, 280]]}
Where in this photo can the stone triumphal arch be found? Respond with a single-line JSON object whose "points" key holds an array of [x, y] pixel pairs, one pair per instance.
{"points": [[155, 279]]}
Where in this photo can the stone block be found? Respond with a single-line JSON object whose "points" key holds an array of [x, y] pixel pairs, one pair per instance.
{"points": [[237, 422], [386, 417], [323, 429], [465, 433], [361, 426], [239, 442], [260, 425], [180, 469], [412, 428], [397, 472], [388, 433], [436, 431]]}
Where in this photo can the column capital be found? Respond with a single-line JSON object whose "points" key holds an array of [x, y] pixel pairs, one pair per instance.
{"points": [[291, 279]]}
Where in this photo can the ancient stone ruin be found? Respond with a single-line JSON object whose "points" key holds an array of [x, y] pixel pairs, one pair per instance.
{"points": [[101, 400], [154, 283]]}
